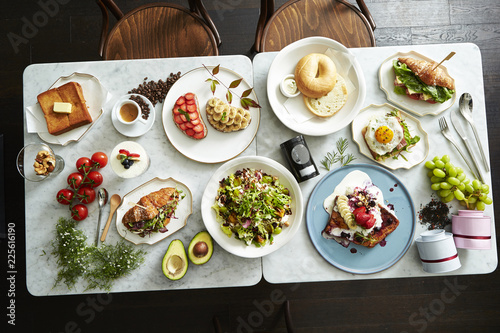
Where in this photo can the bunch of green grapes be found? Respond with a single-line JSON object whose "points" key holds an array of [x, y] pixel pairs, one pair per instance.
{"points": [[450, 182]]}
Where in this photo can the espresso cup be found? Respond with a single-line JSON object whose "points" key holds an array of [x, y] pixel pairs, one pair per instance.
{"points": [[128, 112], [437, 251], [471, 230]]}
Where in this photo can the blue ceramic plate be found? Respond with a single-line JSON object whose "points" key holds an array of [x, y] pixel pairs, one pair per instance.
{"points": [[358, 259]]}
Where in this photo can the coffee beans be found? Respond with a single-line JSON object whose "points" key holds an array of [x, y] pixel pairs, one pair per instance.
{"points": [[144, 106], [156, 91]]}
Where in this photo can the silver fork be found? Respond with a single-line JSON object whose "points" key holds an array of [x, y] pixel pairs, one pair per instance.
{"points": [[447, 134]]}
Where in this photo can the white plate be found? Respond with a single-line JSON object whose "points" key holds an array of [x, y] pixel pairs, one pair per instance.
{"points": [[231, 244], [414, 156], [285, 63], [95, 97], [386, 78], [184, 209], [216, 147], [137, 129]]}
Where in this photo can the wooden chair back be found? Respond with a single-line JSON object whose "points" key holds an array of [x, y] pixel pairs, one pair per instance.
{"points": [[158, 30], [297, 19]]}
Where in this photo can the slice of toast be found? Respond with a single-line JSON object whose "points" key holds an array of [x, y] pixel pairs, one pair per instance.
{"points": [[59, 123], [389, 224], [72, 93]]}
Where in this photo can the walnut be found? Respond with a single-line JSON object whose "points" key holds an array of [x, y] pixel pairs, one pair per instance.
{"points": [[44, 163]]}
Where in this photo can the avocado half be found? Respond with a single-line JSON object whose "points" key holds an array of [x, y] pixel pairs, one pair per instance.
{"points": [[175, 261], [200, 248]]}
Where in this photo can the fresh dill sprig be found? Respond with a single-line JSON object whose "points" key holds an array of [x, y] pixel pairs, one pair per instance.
{"points": [[110, 262], [338, 156], [99, 266]]}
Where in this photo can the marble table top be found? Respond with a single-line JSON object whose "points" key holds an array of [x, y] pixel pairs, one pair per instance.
{"points": [[299, 261], [223, 269]]}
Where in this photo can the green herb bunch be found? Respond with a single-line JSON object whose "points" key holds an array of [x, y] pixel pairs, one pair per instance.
{"points": [[98, 266], [338, 156]]}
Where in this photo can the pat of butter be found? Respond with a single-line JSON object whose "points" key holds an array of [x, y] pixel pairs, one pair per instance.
{"points": [[60, 107]]}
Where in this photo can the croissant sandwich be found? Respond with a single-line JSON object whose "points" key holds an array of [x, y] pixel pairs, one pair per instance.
{"points": [[422, 80], [152, 212]]}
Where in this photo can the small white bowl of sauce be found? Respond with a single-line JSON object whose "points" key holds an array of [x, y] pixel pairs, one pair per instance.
{"points": [[288, 86]]}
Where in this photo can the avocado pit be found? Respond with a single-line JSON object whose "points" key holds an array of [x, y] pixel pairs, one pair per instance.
{"points": [[200, 249]]}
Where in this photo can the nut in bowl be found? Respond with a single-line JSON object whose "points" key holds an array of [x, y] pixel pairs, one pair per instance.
{"points": [[37, 161], [243, 246]]}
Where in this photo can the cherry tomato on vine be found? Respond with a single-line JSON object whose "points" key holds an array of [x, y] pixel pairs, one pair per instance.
{"points": [[83, 164], [94, 179], [99, 160], [86, 195], [65, 196], [79, 212], [75, 180]]}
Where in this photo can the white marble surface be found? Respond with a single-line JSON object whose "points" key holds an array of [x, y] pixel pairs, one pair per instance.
{"points": [[42, 210], [299, 261]]}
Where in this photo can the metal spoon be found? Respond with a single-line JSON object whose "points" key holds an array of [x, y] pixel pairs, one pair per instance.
{"points": [[114, 202], [102, 199], [465, 107]]}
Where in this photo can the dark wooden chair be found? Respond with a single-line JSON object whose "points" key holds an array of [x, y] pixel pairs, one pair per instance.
{"points": [[288, 320], [297, 19], [158, 30]]}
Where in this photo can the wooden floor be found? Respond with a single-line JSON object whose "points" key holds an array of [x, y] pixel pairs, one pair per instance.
{"points": [[70, 33]]}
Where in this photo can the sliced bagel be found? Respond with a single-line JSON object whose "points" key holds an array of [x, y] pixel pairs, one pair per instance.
{"points": [[330, 104]]}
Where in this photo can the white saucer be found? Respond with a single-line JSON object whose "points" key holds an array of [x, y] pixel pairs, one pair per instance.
{"points": [[138, 128]]}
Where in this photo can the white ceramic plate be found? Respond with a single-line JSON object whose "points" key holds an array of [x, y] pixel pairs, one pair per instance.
{"points": [[231, 244], [386, 78], [137, 129], [184, 209], [285, 63], [95, 96], [414, 156], [216, 147]]}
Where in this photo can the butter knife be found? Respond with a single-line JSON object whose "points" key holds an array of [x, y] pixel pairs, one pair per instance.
{"points": [[460, 130]]}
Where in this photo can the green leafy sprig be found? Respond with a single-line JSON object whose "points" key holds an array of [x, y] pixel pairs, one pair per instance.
{"points": [[245, 101], [338, 156], [98, 266]]}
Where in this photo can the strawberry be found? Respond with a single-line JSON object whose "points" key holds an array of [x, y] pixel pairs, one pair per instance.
{"points": [[370, 223], [187, 117], [198, 128], [362, 218], [359, 210], [199, 135], [180, 101]]}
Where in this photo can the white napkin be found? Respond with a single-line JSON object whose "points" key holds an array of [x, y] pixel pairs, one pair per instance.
{"points": [[96, 96], [296, 107]]}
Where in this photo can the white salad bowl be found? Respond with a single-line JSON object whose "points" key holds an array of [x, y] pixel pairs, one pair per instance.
{"points": [[232, 244]]}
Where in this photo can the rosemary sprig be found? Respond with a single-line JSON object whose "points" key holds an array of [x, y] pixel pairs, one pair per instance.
{"points": [[245, 101], [338, 156]]}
